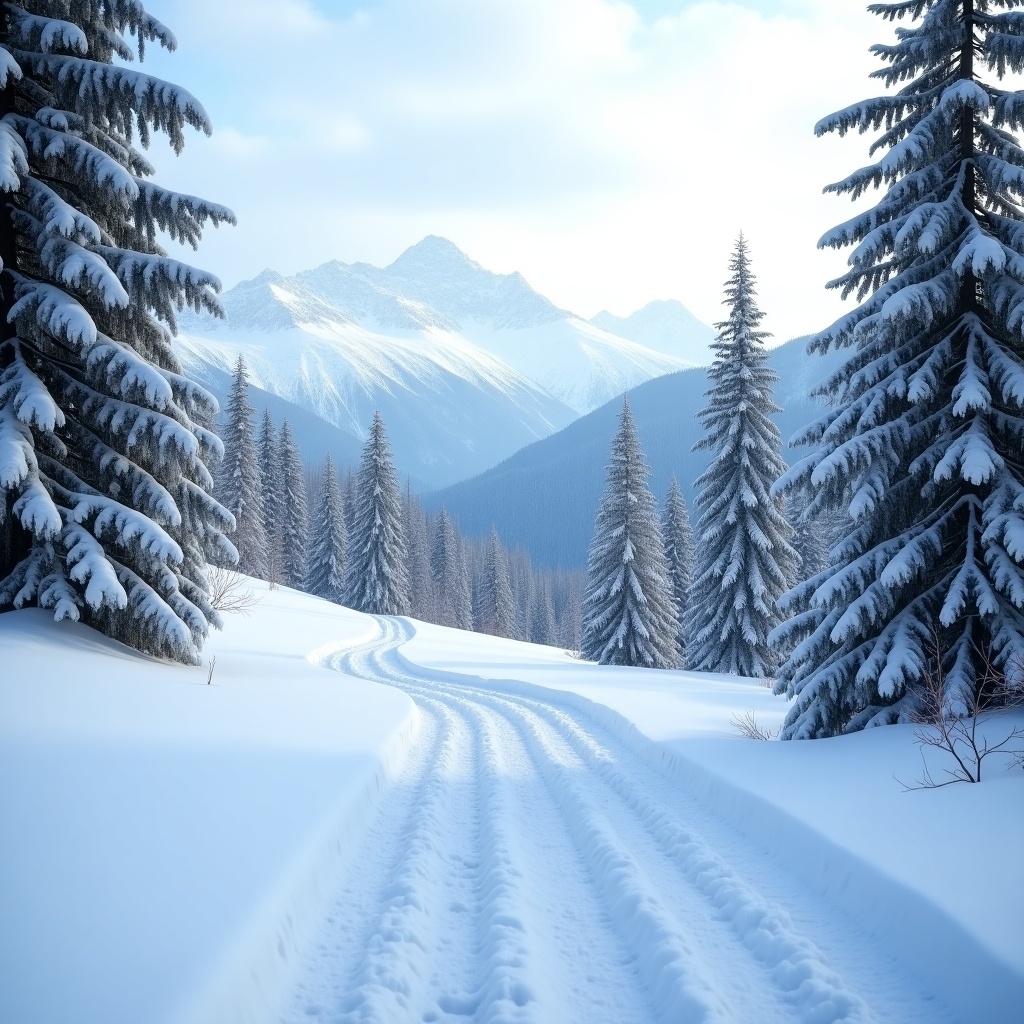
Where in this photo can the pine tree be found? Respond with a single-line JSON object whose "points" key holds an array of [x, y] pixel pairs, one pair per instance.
{"points": [[497, 613], [106, 513], [294, 522], [325, 575], [629, 613], [811, 536], [446, 569], [273, 501], [570, 613], [520, 572], [377, 581], [464, 592], [421, 585], [240, 481], [744, 561], [678, 537], [923, 444], [542, 617]]}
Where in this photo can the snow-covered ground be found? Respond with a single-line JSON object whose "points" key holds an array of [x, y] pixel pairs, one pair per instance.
{"points": [[497, 842], [158, 833]]}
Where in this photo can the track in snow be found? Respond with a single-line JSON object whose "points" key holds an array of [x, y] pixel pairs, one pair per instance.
{"points": [[527, 866]]}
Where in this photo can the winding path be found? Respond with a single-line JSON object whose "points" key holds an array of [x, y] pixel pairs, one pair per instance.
{"points": [[527, 866]]}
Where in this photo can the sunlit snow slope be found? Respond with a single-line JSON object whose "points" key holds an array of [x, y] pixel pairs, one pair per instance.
{"points": [[466, 366]]}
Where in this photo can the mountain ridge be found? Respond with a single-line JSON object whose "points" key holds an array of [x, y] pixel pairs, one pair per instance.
{"points": [[466, 366]]}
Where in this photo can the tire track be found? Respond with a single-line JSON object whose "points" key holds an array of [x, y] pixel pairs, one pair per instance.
{"points": [[657, 912]]}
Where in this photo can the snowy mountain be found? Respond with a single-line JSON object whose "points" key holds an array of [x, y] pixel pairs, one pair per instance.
{"points": [[544, 498], [465, 365], [666, 326]]}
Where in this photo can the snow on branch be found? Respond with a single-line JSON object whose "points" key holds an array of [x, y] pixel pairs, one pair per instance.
{"points": [[51, 148], [13, 156], [123, 96], [163, 284], [47, 35], [46, 306], [22, 391]]}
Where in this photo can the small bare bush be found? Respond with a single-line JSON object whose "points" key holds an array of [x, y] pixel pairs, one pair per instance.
{"points": [[230, 593], [747, 726], [958, 736]]}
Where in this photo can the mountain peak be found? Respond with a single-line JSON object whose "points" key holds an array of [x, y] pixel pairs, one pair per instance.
{"points": [[664, 325], [432, 251]]}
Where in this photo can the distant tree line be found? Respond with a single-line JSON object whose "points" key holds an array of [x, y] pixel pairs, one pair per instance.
{"points": [[359, 540]]}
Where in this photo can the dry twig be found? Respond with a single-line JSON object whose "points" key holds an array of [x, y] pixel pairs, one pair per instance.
{"points": [[958, 735], [748, 727], [229, 592]]}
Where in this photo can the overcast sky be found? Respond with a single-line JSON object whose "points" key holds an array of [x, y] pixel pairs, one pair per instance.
{"points": [[609, 151]]}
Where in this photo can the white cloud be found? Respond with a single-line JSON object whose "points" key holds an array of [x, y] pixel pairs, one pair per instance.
{"points": [[610, 158]]}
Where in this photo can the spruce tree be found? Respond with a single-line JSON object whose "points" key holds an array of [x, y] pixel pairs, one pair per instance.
{"points": [[325, 574], [447, 572], [270, 473], [377, 580], [293, 522], [811, 536], [497, 613], [421, 585], [240, 486], [542, 616], [744, 561], [677, 534], [629, 612], [464, 591], [923, 444], [106, 513]]}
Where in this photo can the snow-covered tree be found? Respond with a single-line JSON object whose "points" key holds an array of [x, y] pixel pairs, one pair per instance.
{"points": [[570, 613], [421, 585], [497, 613], [273, 500], [812, 536], [923, 444], [325, 574], [293, 523], [240, 482], [521, 576], [377, 580], [677, 535], [106, 513], [447, 566], [464, 604], [743, 559], [629, 612], [542, 614]]}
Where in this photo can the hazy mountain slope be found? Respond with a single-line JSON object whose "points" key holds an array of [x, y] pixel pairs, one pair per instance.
{"points": [[465, 365], [316, 436], [562, 353], [434, 388], [544, 497], [666, 326]]}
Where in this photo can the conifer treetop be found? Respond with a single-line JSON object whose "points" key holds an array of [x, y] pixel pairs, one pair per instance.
{"points": [[744, 558], [629, 614]]}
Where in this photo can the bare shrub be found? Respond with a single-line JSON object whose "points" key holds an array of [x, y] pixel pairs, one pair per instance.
{"points": [[958, 736], [230, 593], [747, 726]]}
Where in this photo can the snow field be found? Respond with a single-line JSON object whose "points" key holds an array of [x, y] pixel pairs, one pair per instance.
{"points": [[674, 930], [831, 811], [499, 842], [166, 844]]}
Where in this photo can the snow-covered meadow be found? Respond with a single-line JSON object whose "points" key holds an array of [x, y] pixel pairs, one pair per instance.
{"points": [[173, 851]]}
